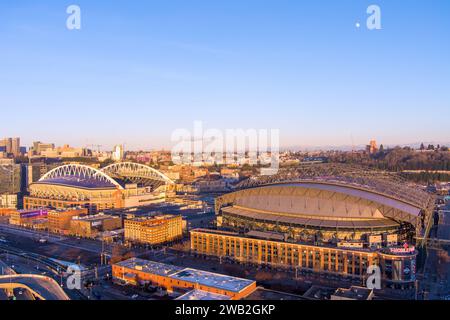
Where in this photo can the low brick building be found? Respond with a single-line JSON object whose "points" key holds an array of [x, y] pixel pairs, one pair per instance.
{"points": [[177, 279], [92, 226]]}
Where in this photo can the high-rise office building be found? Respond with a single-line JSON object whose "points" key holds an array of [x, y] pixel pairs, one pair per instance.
{"points": [[372, 147], [118, 153], [15, 147], [11, 146], [39, 147], [10, 178], [34, 171]]}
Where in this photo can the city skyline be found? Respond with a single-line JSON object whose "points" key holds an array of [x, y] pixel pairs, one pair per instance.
{"points": [[113, 148], [301, 148], [134, 73], [253, 152]]}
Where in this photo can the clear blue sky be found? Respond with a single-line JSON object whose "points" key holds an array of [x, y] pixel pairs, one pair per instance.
{"points": [[137, 70]]}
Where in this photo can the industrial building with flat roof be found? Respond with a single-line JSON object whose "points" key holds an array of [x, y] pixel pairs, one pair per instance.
{"points": [[353, 293], [199, 295], [137, 271]]}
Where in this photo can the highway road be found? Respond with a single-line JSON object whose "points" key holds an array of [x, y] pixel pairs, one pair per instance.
{"points": [[5, 269], [68, 249], [44, 288], [31, 233]]}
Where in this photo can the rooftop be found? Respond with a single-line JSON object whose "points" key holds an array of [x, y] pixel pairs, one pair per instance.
{"points": [[96, 217], [262, 294], [209, 279], [319, 293], [215, 280], [202, 295], [147, 266], [302, 220], [354, 293], [79, 182], [221, 232], [266, 235], [391, 184], [154, 218]]}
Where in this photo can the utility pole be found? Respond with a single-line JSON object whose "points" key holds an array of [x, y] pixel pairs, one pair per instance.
{"points": [[416, 285], [103, 254]]}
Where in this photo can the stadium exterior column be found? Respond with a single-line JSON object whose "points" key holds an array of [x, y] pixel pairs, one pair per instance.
{"points": [[345, 258], [329, 260], [259, 252], [300, 257], [322, 259], [241, 248], [292, 255], [353, 263]]}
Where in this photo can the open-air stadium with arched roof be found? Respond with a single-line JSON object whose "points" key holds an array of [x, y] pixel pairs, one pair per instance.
{"points": [[116, 186]]}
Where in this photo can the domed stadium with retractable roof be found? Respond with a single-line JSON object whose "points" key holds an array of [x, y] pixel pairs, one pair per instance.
{"points": [[348, 205], [120, 185], [331, 219]]}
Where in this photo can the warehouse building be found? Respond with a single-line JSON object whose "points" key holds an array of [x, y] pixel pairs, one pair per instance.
{"points": [[183, 280]]}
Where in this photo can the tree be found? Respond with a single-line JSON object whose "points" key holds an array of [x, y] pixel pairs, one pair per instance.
{"points": [[422, 146], [120, 253]]}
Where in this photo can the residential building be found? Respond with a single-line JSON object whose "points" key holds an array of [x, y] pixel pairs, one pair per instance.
{"points": [[154, 230]]}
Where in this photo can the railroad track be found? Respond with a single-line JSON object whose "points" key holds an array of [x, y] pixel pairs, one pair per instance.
{"points": [[55, 267]]}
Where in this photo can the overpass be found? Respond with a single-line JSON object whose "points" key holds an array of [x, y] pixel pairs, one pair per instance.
{"points": [[44, 288]]}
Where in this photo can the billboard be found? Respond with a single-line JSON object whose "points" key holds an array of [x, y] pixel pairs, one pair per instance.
{"points": [[33, 213]]}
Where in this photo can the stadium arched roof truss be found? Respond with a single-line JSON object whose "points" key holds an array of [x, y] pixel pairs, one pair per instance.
{"points": [[129, 172], [79, 174]]}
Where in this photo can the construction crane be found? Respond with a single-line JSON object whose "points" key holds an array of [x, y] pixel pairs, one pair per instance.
{"points": [[95, 145]]}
